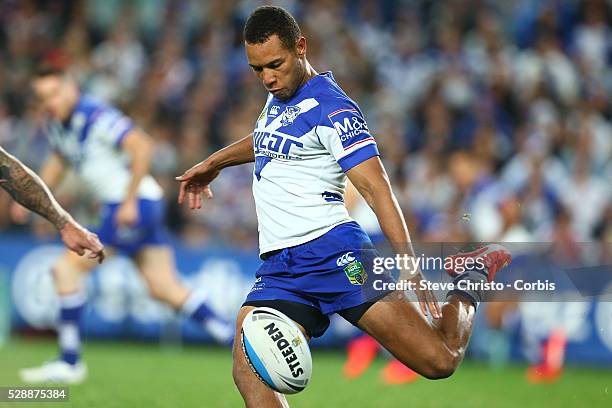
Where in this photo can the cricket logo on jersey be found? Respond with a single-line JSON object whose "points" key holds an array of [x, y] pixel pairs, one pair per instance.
{"points": [[353, 268], [289, 115]]}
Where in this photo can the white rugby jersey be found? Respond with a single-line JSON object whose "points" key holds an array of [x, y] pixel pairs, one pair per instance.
{"points": [[303, 147], [90, 141]]}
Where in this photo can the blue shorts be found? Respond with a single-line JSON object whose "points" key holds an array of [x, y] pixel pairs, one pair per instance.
{"points": [[149, 230], [331, 273]]}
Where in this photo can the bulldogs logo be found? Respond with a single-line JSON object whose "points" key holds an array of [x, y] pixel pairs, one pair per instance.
{"points": [[289, 115]]}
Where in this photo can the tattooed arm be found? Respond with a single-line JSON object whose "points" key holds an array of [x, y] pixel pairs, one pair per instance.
{"points": [[31, 192]]}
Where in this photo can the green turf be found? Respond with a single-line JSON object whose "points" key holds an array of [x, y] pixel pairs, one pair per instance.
{"points": [[145, 375]]}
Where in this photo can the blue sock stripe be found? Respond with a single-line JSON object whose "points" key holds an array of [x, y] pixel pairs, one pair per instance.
{"points": [[193, 302], [202, 313], [72, 300], [72, 314], [71, 357]]}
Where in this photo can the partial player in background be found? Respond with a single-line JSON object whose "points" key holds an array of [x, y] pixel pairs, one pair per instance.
{"points": [[308, 139], [112, 158], [31, 192], [363, 349]]}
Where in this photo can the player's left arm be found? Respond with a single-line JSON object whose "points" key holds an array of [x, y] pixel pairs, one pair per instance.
{"points": [[370, 179], [139, 147]]}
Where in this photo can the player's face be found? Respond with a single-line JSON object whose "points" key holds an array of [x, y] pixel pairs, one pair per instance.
{"points": [[281, 70], [56, 94]]}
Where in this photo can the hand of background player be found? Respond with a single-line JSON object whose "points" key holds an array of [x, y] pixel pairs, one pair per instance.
{"points": [[127, 214], [19, 214], [79, 240], [426, 298], [196, 181]]}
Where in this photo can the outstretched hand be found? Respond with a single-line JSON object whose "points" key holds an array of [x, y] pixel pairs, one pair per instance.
{"points": [[426, 298], [195, 182], [80, 240]]}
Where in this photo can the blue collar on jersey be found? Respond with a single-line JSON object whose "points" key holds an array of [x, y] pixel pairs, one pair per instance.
{"points": [[85, 105], [307, 85]]}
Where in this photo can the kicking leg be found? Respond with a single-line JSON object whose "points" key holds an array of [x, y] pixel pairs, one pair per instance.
{"points": [[433, 350], [436, 349], [156, 263]]}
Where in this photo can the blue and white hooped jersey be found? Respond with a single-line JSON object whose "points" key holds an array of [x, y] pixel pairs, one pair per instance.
{"points": [[303, 147], [90, 142]]}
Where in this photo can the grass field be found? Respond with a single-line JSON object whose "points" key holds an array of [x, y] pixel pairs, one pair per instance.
{"points": [[143, 375]]}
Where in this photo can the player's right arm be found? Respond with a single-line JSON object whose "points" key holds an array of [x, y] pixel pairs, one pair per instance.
{"points": [[52, 172], [197, 179], [31, 192]]}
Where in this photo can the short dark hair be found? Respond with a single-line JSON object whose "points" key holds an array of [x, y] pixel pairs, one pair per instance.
{"points": [[266, 21], [44, 70], [52, 63]]}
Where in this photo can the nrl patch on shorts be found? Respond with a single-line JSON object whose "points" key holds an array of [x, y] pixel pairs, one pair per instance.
{"points": [[355, 273]]}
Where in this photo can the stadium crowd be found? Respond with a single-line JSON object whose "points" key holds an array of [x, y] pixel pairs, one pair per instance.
{"points": [[493, 118]]}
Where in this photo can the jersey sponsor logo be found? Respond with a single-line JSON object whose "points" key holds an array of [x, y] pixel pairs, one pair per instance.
{"points": [[275, 145], [274, 110], [348, 124], [269, 145], [289, 115], [345, 259], [353, 269]]}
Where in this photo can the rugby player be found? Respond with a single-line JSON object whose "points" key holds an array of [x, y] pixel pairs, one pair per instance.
{"points": [[112, 158], [309, 137]]}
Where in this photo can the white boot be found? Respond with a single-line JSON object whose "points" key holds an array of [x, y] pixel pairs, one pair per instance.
{"points": [[56, 371]]}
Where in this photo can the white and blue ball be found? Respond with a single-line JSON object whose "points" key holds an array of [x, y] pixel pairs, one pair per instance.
{"points": [[276, 350]]}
